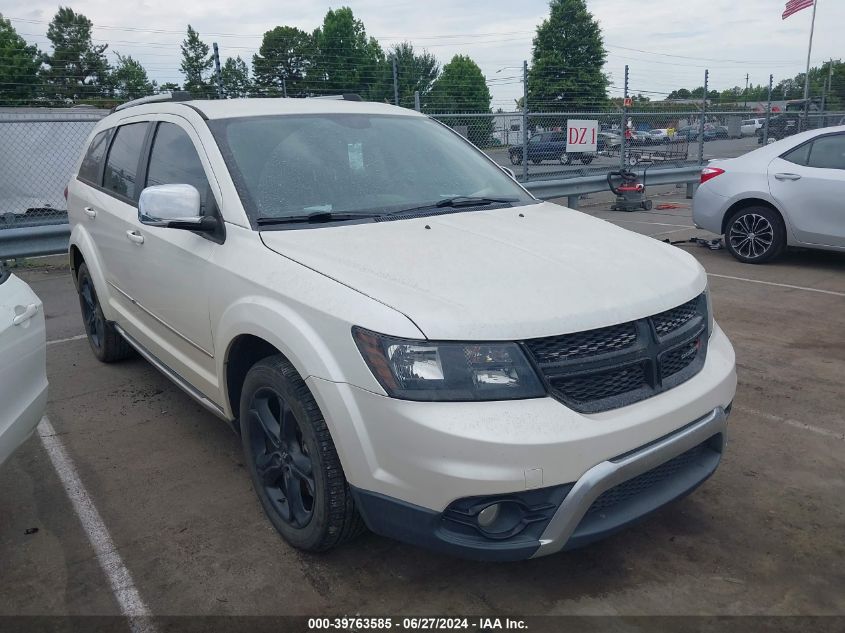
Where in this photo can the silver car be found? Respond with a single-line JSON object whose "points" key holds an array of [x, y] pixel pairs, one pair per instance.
{"points": [[789, 193]]}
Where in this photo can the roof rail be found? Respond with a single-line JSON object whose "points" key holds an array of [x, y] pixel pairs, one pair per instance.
{"points": [[176, 95], [348, 96]]}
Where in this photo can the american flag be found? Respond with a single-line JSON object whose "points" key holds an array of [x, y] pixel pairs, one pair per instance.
{"points": [[793, 6]]}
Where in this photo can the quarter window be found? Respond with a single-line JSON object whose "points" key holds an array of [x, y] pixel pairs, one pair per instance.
{"points": [[174, 160], [122, 164], [828, 152], [798, 155], [89, 171]]}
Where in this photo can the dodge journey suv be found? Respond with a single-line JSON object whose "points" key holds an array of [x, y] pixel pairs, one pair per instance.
{"points": [[403, 337]]}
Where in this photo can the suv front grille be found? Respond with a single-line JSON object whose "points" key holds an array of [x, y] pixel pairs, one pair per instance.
{"points": [[610, 367]]}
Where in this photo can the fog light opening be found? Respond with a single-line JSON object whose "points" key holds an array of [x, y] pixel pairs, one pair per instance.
{"points": [[488, 515]]}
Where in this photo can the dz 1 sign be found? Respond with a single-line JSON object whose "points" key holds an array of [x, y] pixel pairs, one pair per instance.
{"points": [[581, 136]]}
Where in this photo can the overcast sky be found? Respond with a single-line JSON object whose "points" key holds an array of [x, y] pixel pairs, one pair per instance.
{"points": [[674, 40]]}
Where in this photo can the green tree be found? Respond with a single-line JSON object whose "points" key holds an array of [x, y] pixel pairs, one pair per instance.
{"points": [[129, 79], [170, 86], [19, 64], [461, 87], [349, 61], [282, 62], [234, 77], [196, 64], [77, 68], [567, 60], [416, 72]]}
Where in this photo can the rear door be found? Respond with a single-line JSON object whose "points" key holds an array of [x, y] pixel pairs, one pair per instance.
{"points": [[115, 208], [808, 182]]}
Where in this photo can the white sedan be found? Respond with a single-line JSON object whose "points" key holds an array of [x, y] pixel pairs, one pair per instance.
{"points": [[23, 367], [788, 193]]}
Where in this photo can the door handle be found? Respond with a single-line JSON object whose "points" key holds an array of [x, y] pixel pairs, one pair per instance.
{"points": [[787, 177], [134, 236], [91, 213], [30, 311]]}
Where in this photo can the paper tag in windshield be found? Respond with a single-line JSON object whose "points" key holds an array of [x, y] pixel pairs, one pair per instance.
{"points": [[356, 156]]}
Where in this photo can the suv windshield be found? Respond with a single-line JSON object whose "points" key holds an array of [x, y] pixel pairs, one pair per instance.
{"points": [[353, 164]]}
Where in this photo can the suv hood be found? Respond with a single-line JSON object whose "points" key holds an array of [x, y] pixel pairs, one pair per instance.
{"points": [[504, 274]]}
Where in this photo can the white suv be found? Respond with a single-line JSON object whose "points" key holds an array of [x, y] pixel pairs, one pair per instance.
{"points": [[402, 335]]}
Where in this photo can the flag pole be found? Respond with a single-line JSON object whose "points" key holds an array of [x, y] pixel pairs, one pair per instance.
{"points": [[809, 52]]}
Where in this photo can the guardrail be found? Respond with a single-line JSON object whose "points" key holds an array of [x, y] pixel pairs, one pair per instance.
{"points": [[34, 237]]}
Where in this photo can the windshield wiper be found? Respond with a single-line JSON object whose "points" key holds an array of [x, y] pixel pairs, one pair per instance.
{"points": [[471, 201], [313, 218], [455, 202]]}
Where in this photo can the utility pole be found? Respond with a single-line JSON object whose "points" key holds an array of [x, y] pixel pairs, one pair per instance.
{"points": [[768, 112], [624, 124], [745, 105], [217, 74], [828, 86], [524, 120], [395, 83], [703, 120]]}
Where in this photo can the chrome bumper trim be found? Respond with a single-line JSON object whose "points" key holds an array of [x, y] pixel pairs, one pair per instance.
{"points": [[613, 472]]}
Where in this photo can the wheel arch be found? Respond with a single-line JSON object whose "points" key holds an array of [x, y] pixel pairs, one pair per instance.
{"points": [[750, 202], [242, 353]]}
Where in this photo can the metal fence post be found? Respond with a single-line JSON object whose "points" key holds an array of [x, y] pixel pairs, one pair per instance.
{"points": [[524, 120], [395, 83], [768, 113], [417, 101], [622, 128], [703, 120], [217, 74]]}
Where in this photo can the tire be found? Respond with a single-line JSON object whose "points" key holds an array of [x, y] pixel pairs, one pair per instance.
{"points": [[632, 160], [586, 159], [108, 346], [647, 205], [516, 158], [755, 235], [565, 159], [292, 460]]}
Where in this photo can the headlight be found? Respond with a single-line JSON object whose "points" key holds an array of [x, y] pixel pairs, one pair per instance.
{"points": [[425, 370]]}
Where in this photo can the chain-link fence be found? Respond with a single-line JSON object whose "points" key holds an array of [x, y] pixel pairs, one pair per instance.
{"points": [[40, 148], [652, 140]]}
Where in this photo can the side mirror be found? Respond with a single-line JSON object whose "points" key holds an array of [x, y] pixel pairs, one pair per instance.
{"points": [[173, 206]]}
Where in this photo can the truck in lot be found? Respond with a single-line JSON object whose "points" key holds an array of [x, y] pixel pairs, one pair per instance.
{"points": [[403, 337]]}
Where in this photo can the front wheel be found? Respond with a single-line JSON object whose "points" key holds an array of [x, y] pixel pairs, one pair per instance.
{"points": [[292, 460], [516, 158], [755, 235]]}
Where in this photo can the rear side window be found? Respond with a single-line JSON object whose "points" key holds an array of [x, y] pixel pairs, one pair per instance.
{"points": [[828, 152], [121, 174], [174, 161], [89, 171], [799, 155]]}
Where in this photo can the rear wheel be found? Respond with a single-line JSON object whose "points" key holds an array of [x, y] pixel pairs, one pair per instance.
{"points": [[292, 459], [516, 158], [108, 346], [755, 235], [586, 158], [565, 159]]}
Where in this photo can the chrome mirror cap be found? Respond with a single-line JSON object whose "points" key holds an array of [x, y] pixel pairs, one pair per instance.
{"points": [[162, 204]]}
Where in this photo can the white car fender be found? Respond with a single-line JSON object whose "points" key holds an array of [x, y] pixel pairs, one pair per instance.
{"points": [[81, 239]]}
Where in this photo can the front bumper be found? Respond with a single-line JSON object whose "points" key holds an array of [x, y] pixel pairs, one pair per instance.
{"points": [[607, 498]]}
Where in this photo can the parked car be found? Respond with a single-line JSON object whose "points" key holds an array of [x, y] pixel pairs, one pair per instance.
{"points": [[691, 133], [780, 126], [23, 362], [402, 335], [548, 146], [720, 132], [607, 141], [659, 135], [749, 127], [787, 193]]}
